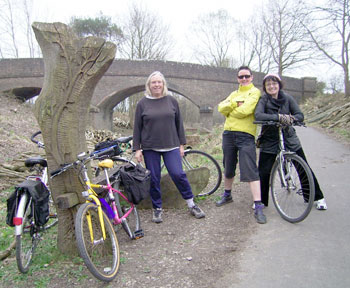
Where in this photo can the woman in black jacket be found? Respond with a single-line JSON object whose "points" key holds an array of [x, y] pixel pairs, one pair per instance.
{"points": [[275, 105]]}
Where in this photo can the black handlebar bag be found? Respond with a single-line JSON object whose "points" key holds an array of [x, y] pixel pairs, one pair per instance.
{"points": [[136, 181], [106, 144]]}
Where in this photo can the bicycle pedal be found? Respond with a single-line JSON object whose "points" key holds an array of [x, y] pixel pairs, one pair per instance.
{"points": [[138, 234]]}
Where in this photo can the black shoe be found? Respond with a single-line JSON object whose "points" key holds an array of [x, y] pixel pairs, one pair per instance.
{"points": [[259, 215], [224, 200]]}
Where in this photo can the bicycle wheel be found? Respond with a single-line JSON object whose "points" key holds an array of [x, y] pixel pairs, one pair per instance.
{"points": [[194, 159], [53, 218], [295, 199], [130, 224], [26, 241], [101, 256]]}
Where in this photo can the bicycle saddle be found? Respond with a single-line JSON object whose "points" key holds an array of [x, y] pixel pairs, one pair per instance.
{"points": [[30, 162], [124, 139]]}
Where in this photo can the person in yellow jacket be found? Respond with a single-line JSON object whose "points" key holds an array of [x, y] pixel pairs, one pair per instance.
{"points": [[238, 140]]}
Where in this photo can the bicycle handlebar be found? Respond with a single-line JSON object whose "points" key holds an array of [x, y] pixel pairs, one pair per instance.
{"points": [[32, 138], [276, 123], [82, 158]]}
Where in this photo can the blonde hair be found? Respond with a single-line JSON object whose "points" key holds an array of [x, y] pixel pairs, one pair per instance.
{"points": [[148, 82]]}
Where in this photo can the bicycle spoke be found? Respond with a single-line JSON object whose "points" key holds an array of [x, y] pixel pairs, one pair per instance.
{"points": [[292, 188], [100, 255], [25, 242]]}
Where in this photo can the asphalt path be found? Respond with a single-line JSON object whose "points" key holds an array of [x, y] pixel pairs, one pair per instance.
{"points": [[314, 252]]}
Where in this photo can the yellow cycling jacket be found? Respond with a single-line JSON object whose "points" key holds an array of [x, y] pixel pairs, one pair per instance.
{"points": [[238, 108]]}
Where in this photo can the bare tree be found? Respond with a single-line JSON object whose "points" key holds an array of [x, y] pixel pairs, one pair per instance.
{"points": [[285, 35], [145, 35], [253, 49], [212, 38], [17, 37], [7, 30], [32, 44], [333, 20]]}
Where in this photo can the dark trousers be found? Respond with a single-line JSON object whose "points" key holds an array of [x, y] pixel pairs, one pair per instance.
{"points": [[266, 161], [173, 162]]}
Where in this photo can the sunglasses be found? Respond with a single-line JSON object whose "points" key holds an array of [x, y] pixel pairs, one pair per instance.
{"points": [[244, 76]]}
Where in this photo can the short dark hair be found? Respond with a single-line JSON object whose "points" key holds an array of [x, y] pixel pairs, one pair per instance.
{"points": [[274, 79], [244, 68]]}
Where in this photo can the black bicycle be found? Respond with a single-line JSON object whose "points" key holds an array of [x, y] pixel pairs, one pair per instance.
{"points": [[291, 181]]}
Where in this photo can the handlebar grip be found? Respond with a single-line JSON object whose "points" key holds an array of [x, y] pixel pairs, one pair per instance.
{"points": [[55, 173], [61, 170]]}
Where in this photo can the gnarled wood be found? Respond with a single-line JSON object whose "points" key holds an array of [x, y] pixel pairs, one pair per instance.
{"points": [[73, 68]]}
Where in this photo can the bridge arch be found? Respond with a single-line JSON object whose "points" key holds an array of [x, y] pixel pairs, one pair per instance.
{"points": [[102, 113], [204, 86]]}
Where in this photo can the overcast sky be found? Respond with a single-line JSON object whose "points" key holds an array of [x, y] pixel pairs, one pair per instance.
{"points": [[178, 14]]}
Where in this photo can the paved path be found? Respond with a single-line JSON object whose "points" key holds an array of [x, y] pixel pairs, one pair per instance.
{"points": [[315, 252]]}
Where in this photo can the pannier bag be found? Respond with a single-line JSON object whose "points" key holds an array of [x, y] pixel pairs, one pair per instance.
{"points": [[12, 203], [40, 198], [106, 144], [136, 181]]}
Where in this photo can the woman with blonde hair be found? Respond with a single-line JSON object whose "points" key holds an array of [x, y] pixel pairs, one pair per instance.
{"points": [[159, 133]]}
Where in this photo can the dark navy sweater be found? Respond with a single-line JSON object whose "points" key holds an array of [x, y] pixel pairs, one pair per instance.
{"points": [[158, 124]]}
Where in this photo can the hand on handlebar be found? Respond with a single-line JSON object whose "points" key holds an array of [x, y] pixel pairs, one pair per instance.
{"points": [[286, 119]]}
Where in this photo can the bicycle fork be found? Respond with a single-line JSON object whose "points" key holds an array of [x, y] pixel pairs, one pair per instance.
{"points": [[101, 221], [284, 170]]}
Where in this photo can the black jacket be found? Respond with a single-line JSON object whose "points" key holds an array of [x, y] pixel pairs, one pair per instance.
{"points": [[268, 108]]}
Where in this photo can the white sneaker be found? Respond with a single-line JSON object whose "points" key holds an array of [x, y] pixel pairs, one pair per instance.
{"points": [[321, 204]]}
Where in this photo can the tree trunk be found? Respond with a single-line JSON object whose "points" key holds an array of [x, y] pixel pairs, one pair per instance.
{"points": [[73, 67], [347, 85]]}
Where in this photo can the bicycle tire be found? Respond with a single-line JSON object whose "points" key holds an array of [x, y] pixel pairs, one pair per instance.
{"points": [[53, 217], [295, 201], [101, 257], [25, 242], [193, 159]]}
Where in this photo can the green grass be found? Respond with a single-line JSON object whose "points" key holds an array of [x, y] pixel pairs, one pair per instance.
{"points": [[6, 232]]}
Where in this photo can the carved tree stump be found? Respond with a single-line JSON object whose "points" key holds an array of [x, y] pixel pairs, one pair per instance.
{"points": [[73, 68]]}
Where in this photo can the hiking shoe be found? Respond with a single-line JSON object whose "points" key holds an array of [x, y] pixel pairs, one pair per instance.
{"points": [[157, 215], [321, 204], [224, 200], [197, 212], [253, 206], [259, 215]]}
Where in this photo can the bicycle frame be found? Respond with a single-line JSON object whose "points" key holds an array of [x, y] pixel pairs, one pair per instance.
{"points": [[91, 196]]}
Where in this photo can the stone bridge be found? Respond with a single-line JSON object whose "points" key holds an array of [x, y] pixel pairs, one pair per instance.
{"points": [[204, 86]]}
